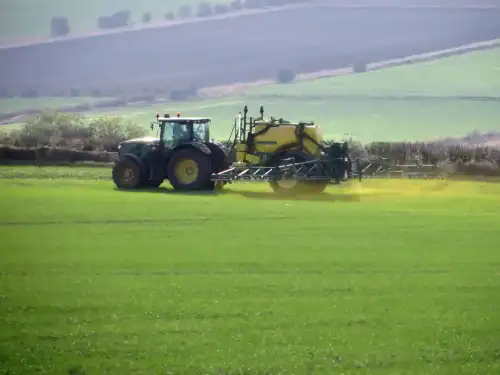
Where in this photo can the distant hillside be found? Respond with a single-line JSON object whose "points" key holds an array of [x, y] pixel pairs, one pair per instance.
{"points": [[223, 51]]}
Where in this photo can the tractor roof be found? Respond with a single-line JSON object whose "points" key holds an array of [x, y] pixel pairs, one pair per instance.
{"points": [[185, 119]]}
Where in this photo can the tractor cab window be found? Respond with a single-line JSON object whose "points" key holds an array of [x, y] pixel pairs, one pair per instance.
{"points": [[201, 132], [178, 132], [174, 133]]}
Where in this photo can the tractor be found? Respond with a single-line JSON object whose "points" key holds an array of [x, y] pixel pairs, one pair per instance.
{"points": [[292, 156], [181, 153]]}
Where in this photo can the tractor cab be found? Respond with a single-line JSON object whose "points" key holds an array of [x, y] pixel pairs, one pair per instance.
{"points": [[174, 131]]}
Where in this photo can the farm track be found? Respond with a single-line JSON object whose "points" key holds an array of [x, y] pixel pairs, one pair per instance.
{"points": [[329, 37]]}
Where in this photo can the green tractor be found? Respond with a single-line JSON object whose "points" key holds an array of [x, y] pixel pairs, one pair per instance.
{"points": [[182, 153]]}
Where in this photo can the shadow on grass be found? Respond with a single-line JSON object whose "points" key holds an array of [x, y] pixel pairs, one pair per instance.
{"points": [[263, 195]]}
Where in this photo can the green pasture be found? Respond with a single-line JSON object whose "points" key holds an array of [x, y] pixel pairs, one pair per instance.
{"points": [[422, 101], [25, 19], [364, 119], [373, 105], [471, 74], [377, 277]]}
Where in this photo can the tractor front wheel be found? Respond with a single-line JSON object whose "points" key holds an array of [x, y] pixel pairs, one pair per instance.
{"points": [[126, 174], [189, 169]]}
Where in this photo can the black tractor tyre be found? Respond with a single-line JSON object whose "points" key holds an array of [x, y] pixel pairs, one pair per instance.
{"points": [[155, 164], [218, 157], [181, 178], [127, 174], [218, 160]]}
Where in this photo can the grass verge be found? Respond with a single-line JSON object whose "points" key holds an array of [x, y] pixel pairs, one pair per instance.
{"points": [[378, 277]]}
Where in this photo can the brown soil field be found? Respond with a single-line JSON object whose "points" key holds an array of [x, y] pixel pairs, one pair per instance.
{"points": [[247, 48]]}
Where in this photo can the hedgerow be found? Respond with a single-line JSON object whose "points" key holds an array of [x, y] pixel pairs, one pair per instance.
{"points": [[53, 129], [59, 129]]}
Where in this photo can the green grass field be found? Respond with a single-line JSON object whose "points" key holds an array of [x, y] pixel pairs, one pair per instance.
{"points": [[377, 277], [82, 15]]}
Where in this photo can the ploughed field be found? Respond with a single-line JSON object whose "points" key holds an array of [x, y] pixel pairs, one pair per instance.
{"points": [[378, 277], [243, 48]]}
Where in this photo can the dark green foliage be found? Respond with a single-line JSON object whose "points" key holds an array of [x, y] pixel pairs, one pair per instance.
{"points": [[204, 10], [221, 8], [59, 26], [145, 97], [359, 67], [276, 2], [146, 17], [170, 16], [236, 5], [96, 93], [116, 20], [74, 92], [185, 11], [183, 94], [285, 76], [253, 3], [30, 93]]}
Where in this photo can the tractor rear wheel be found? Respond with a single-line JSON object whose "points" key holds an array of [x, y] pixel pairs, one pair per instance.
{"points": [[126, 174], [189, 169]]}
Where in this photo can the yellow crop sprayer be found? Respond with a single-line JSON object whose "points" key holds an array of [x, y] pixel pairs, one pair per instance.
{"points": [[292, 156]]}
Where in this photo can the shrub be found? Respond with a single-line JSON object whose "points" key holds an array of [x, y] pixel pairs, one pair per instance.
{"points": [[285, 76], [253, 4], [146, 17], [116, 20], [96, 93], [170, 16], [59, 26], [277, 3], [236, 5], [146, 97], [185, 11], [107, 132], [204, 10], [184, 94], [221, 8], [30, 93], [359, 67]]}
